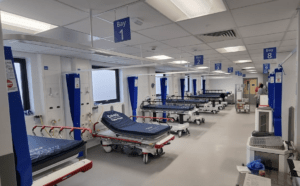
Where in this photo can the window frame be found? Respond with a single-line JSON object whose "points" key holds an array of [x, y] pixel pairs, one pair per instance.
{"points": [[118, 99], [25, 86]]}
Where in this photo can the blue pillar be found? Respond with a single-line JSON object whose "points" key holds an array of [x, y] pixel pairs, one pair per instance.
{"points": [[73, 85], [278, 102], [203, 86], [133, 91], [18, 125], [195, 86], [163, 86], [182, 87]]}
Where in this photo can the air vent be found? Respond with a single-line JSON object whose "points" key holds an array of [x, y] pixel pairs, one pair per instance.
{"points": [[218, 36]]}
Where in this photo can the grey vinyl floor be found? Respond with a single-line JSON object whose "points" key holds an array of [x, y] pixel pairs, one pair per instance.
{"points": [[208, 157]]}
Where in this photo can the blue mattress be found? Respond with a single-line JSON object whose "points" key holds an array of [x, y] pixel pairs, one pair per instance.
{"points": [[120, 123], [168, 107], [42, 148], [189, 101]]}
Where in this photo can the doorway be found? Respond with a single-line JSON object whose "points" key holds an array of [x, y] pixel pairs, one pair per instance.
{"points": [[249, 89]]}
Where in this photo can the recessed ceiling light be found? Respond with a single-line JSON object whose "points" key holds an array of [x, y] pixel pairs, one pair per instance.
{"points": [[227, 73], [243, 61], [246, 68], [160, 57], [203, 67], [251, 70], [218, 71], [23, 24], [231, 49], [178, 10], [179, 62]]}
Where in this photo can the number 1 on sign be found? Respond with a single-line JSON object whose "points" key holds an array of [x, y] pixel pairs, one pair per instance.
{"points": [[122, 35]]}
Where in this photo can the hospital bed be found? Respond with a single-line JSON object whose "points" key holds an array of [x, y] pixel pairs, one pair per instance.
{"points": [[203, 104], [48, 153], [175, 112], [218, 98]]}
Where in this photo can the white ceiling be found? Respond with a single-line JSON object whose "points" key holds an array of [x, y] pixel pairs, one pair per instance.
{"points": [[259, 24]]}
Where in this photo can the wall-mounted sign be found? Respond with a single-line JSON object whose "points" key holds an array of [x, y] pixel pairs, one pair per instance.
{"points": [[270, 53], [218, 66], [122, 30], [266, 68], [198, 60]]}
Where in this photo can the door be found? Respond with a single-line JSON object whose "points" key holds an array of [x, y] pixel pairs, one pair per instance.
{"points": [[249, 87]]}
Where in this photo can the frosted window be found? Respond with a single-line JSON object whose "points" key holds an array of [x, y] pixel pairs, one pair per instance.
{"points": [[104, 85], [19, 78], [157, 82], [186, 83]]}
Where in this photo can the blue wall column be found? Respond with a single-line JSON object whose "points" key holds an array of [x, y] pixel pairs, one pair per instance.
{"points": [[163, 86], [195, 86], [73, 85], [278, 102], [182, 87], [133, 91], [18, 126], [271, 90], [203, 86]]}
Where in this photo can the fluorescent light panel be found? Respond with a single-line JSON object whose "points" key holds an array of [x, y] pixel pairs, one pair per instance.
{"points": [[231, 49], [179, 62], [23, 24], [251, 70], [246, 68], [159, 57], [243, 61], [219, 71], [202, 67], [178, 10]]}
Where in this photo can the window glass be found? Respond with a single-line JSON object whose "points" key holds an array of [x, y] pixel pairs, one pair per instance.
{"points": [[105, 86], [157, 83]]}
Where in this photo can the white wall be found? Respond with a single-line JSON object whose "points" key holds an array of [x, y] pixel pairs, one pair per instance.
{"points": [[228, 84]]}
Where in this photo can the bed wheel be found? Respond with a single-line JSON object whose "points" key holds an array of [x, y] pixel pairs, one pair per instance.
{"points": [[160, 151], [198, 122], [203, 120], [145, 158], [107, 148], [214, 112], [179, 133]]}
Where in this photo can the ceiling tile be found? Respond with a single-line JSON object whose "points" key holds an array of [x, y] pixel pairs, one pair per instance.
{"points": [[242, 3], [291, 35], [286, 49], [137, 39], [206, 52], [164, 32], [43, 10], [265, 28], [264, 38], [104, 44], [100, 28], [97, 5], [182, 41], [240, 57], [211, 23], [235, 53], [151, 18], [149, 46], [262, 13], [127, 50], [264, 45], [222, 44], [195, 48], [292, 42], [294, 25]]}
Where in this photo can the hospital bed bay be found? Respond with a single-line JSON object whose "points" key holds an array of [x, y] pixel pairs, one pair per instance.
{"points": [[47, 151]]}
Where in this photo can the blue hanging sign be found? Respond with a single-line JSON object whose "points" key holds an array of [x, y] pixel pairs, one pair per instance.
{"points": [[237, 73], [270, 53], [244, 75], [266, 67], [240, 73], [122, 30], [230, 69], [46, 68], [198, 60], [218, 66]]}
